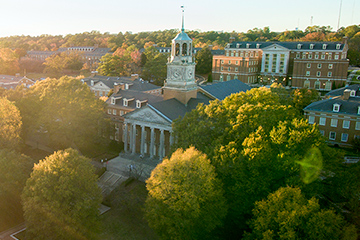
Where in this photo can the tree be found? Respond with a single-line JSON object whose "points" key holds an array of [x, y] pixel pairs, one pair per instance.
{"points": [[303, 97], [287, 214], [185, 198], [15, 169], [9, 63], [10, 124], [155, 67], [67, 114], [203, 59], [61, 198]]}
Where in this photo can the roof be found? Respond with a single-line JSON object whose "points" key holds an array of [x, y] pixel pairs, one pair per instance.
{"points": [[135, 95], [171, 108], [340, 91], [221, 90], [137, 84], [349, 106], [289, 45], [182, 36]]}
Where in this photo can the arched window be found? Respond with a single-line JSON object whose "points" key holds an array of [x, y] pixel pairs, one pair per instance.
{"points": [[177, 49], [306, 84], [184, 49], [317, 85], [221, 78]]}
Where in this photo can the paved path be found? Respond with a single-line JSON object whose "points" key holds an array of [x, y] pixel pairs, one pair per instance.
{"points": [[6, 235], [351, 75]]}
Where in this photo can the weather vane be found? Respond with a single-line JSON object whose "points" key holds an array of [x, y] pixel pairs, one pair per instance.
{"points": [[182, 27]]}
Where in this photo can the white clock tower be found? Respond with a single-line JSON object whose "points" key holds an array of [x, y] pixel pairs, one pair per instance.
{"points": [[180, 82]]}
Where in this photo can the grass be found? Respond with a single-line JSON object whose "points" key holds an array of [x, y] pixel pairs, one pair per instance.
{"points": [[126, 220]]}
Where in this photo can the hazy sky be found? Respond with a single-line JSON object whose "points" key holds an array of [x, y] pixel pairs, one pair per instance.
{"points": [[36, 17]]}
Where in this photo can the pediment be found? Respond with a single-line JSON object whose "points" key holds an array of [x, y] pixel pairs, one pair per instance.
{"points": [[275, 47], [101, 86], [148, 115]]}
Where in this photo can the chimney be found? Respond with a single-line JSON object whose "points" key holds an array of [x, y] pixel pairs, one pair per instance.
{"points": [[116, 88], [344, 40], [346, 94], [232, 39]]}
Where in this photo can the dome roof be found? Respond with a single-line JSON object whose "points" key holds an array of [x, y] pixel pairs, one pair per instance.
{"points": [[182, 36]]}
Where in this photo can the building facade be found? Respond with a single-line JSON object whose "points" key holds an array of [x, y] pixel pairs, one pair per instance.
{"points": [[338, 117], [317, 65]]}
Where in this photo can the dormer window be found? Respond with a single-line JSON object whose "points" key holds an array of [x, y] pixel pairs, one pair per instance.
{"points": [[138, 104], [125, 102], [92, 82], [238, 45], [312, 46], [126, 86], [113, 101], [258, 45], [336, 107], [248, 45], [324, 46], [358, 110], [338, 46], [299, 46], [352, 93]]}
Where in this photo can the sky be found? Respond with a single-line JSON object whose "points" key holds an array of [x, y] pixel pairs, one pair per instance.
{"points": [[54, 17]]}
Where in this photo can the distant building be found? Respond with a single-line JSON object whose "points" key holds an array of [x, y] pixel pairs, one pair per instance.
{"points": [[90, 55], [338, 117], [11, 82], [316, 65]]}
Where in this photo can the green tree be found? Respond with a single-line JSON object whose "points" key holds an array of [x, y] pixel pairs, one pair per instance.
{"points": [[67, 114], [155, 68], [61, 198], [185, 198], [203, 59], [10, 124], [14, 171], [9, 62], [287, 214], [303, 97]]}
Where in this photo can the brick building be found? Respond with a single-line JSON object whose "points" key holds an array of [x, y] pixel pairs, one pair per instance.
{"points": [[316, 65], [338, 117]]}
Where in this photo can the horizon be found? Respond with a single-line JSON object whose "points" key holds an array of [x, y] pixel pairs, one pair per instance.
{"points": [[40, 17]]}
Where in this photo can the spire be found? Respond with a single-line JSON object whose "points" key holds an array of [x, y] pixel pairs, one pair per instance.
{"points": [[182, 26]]}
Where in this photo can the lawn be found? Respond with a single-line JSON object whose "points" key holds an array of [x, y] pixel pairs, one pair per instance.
{"points": [[126, 220]]}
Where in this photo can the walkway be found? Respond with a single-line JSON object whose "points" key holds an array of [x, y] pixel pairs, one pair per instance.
{"points": [[351, 75], [6, 235]]}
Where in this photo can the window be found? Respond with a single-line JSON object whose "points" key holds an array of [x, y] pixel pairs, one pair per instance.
{"points": [[323, 56], [308, 65], [236, 69], [303, 56], [336, 57], [222, 61], [306, 84], [318, 73], [237, 62], [344, 137], [114, 111], [222, 68], [330, 66], [322, 121], [317, 56], [138, 104], [113, 101], [317, 84], [228, 78], [227, 53], [121, 112], [332, 135], [338, 46], [229, 62], [329, 58], [299, 46], [357, 126], [322, 132], [236, 54], [307, 73], [319, 65], [125, 102], [310, 56], [334, 122], [336, 107], [311, 119], [298, 55], [232, 54], [329, 74], [346, 124], [229, 69], [328, 85], [324, 46], [221, 78], [109, 111], [311, 46], [352, 93]]}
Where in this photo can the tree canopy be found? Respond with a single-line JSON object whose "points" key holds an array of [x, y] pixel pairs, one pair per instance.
{"points": [[287, 214], [155, 68], [61, 198], [10, 124], [63, 113], [185, 198], [203, 59]]}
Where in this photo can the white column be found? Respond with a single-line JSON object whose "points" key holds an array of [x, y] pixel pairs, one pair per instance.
{"points": [[161, 148], [125, 137], [152, 142], [142, 146], [278, 62], [171, 138], [131, 138], [134, 138]]}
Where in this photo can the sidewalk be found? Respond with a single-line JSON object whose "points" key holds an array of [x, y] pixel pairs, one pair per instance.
{"points": [[6, 235]]}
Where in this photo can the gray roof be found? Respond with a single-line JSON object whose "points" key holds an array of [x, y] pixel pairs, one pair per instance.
{"points": [[289, 45], [221, 90], [349, 106], [137, 84], [340, 91], [136, 95]]}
